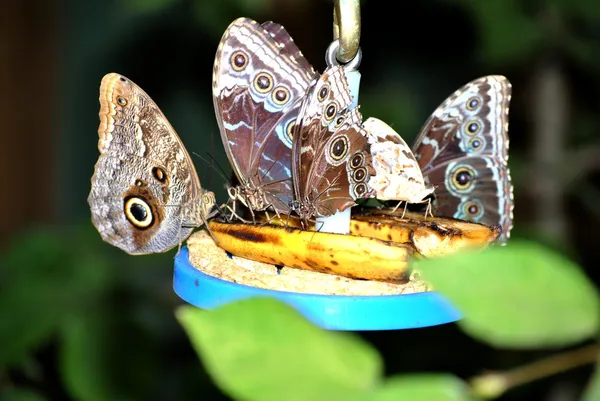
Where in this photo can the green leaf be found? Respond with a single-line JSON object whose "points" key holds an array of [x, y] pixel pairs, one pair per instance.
{"points": [[20, 394], [423, 387], [522, 295], [262, 349]]}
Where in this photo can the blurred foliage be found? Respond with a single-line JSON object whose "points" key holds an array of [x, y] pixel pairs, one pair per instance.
{"points": [[102, 315], [541, 300], [83, 321], [520, 296]]}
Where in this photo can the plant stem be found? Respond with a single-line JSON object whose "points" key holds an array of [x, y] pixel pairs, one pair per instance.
{"points": [[493, 384]]}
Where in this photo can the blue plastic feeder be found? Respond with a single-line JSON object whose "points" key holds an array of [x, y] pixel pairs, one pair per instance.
{"points": [[332, 312]]}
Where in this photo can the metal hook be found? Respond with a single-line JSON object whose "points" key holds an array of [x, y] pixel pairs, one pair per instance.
{"points": [[346, 28], [331, 59]]}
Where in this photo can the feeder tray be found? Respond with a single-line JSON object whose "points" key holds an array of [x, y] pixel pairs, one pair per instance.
{"points": [[207, 276]]}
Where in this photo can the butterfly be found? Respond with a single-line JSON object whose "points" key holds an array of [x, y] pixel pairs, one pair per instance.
{"points": [[462, 150], [275, 127], [145, 195], [337, 159], [260, 78]]}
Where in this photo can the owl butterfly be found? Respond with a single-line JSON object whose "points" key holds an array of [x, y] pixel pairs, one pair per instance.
{"points": [[336, 160], [259, 80], [146, 196], [462, 150]]}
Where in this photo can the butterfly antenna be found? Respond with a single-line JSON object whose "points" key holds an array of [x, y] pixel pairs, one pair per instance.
{"points": [[212, 165], [220, 169]]}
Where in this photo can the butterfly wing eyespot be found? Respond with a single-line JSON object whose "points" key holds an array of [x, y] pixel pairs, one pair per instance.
{"points": [[473, 103], [289, 130], [360, 174], [473, 210], [138, 212], [463, 178], [339, 121], [281, 96], [475, 144], [360, 190], [139, 183], [357, 160], [472, 127], [339, 148], [121, 101], [323, 92], [263, 82], [330, 111], [238, 60], [160, 174]]}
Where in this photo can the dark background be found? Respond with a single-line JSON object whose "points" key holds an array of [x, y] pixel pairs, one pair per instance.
{"points": [[113, 313]]}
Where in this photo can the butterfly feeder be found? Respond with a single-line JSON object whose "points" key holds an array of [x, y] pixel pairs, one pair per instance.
{"points": [[346, 271], [357, 281]]}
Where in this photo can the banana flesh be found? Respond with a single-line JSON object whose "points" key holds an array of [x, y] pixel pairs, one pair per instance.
{"points": [[431, 236], [379, 246], [345, 255]]}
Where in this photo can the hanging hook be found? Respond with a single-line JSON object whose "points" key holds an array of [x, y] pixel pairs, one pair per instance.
{"points": [[346, 28]]}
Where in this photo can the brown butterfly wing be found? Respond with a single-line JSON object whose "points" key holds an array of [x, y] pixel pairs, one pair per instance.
{"points": [[463, 151], [330, 151], [259, 80], [145, 195]]}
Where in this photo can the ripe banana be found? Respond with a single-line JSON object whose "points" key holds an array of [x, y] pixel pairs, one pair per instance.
{"points": [[346, 255], [378, 247], [431, 236]]}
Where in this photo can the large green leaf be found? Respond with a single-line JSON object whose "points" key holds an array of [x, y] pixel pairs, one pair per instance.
{"points": [[423, 387], [262, 349], [522, 295]]}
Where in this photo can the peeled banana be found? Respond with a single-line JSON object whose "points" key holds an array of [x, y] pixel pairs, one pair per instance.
{"points": [[346, 255], [378, 247], [431, 236]]}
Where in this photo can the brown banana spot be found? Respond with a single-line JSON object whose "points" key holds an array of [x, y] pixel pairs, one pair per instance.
{"points": [[252, 234]]}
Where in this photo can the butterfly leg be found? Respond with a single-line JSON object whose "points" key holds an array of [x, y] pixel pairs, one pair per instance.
{"points": [[428, 209], [404, 211], [269, 218], [276, 215], [396, 207], [234, 214]]}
